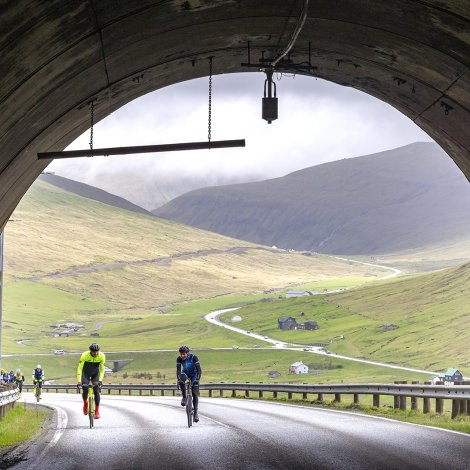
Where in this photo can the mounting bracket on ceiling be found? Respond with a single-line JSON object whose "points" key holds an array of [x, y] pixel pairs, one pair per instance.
{"points": [[282, 62]]}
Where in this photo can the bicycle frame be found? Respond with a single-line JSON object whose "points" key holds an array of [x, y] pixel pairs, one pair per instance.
{"points": [[37, 391], [189, 403], [91, 403]]}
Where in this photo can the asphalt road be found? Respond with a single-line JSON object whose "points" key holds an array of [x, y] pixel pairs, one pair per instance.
{"points": [[151, 433]]}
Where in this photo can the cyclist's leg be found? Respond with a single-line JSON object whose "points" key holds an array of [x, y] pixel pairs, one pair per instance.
{"points": [[195, 390], [182, 387], [85, 384], [96, 388]]}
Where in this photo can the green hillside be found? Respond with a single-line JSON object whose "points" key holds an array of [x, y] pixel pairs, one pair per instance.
{"points": [[428, 318], [137, 283], [134, 279]]}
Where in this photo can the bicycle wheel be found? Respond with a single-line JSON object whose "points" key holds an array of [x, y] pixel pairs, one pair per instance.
{"points": [[91, 409], [38, 392], [189, 407]]}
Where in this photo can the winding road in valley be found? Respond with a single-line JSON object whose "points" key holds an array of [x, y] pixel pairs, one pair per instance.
{"points": [[213, 318]]}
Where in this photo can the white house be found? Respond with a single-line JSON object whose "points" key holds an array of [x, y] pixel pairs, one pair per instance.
{"points": [[298, 368]]}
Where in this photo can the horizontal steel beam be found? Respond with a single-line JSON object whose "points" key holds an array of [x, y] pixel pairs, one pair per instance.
{"points": [[408, 390], [216, 144]]}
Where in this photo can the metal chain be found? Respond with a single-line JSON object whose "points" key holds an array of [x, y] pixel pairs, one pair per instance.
{"points": [[209, 123], [92, 114]]}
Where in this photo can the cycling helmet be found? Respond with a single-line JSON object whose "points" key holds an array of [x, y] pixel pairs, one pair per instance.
{"points": [[38, 366], [94, 347], [183, 349]]}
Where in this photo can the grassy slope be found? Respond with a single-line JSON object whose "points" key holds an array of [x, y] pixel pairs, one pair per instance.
{"points": [[87, 233], [432, 313], [136, 271]]}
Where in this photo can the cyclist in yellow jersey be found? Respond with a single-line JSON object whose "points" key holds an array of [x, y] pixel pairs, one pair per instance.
{"points": [[91, 369]]}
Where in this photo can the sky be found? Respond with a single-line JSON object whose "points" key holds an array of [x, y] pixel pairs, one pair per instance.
{"points": [[319, 121]]}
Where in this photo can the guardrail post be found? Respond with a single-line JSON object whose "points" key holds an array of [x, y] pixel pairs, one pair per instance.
{"points": [[234, 393], [162, 393], [463, 407], [261, 394], [396, 402], [426, 405], [247, 393], [140, 392], [414, 400], [403, 403], [109, 391], [274, 394], [120, 391], [320, 397], [337, 398], [455, 408], [304, 396], [174, 392], [356, 398], [289, 395], [376, 400], [439, 406], [221, 392], [130, 392], [210, 393]]}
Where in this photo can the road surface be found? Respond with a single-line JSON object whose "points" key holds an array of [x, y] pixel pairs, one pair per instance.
{"points": [[151, 433]]}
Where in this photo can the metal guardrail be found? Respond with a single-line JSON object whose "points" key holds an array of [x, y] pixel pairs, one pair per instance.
{"points": [[8, 396], [459, 393], [402, 389]]}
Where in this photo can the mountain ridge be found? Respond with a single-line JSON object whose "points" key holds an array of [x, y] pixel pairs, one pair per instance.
{"points": [[398, 199]]}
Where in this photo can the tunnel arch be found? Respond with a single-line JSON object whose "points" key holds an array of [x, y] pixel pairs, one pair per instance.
{"points": [[59, 55]]}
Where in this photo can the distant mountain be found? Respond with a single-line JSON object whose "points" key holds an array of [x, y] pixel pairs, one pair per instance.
{"points": [[91, 192], [151, 189], [409, 197]]}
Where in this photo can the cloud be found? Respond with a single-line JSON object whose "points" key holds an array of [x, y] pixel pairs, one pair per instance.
{"points": [[319, 121]]}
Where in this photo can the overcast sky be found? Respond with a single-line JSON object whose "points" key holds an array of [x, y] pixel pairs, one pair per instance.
{"points": [[318, 122]]}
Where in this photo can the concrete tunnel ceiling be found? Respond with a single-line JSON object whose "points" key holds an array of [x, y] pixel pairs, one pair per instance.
{"points": [[57, 55]]}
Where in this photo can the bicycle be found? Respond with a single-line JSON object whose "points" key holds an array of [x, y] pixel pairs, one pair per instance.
{"points": [[189, 402], [91, 403], [37, 391]]}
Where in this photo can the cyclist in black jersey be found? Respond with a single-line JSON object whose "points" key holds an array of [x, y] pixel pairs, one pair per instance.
{"points": [[187, 363], [38, 379]]}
